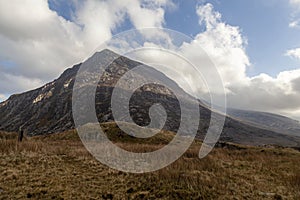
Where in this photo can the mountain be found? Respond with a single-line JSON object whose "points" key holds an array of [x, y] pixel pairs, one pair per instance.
{"points": [[48, 109], [277, 123]]}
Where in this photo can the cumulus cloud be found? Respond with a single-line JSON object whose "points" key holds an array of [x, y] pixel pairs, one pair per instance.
{"points": [[294, 24], [226, 46], [279, 95], [14, 83], [294, 53], [223, 44], [38, 42], [295, 18], [41, 44]]}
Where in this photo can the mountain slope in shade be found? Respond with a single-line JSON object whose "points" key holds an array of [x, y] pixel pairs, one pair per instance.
{"points": [[49, 109], [278, 123]]}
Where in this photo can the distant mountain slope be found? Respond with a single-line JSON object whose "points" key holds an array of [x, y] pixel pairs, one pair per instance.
{"points": [[278, 123], [49, 109]]}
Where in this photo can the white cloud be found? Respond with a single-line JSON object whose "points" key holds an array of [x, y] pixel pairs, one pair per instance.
{"points": [[223, 43], [294, 24], [266, 93], [294, 53], [295, 2], [42, 44], [226, 46], [38, 41], [295, 18], [14, 83], [2, 97]]}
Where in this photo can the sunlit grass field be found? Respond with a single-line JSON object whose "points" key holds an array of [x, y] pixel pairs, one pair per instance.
{"points": [[59, 167]]}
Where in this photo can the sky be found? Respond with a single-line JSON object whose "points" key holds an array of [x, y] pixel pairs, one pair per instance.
{"points": [[260, 67]]}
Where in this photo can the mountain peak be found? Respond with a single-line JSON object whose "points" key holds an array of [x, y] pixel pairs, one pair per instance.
{"points": [[48, 109], [107, 52]]}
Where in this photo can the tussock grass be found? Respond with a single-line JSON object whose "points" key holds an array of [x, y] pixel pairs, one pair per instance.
{"points": [[59, 167], [293, 181]]}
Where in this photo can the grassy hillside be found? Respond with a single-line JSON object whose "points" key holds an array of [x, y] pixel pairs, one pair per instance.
{"points": [[59, 167]]}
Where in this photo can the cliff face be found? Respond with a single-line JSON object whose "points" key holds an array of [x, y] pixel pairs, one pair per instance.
{"points": [[43, 110], [48, 109]]}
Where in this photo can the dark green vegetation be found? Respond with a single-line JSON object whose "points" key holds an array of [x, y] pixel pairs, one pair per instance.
{"points": [[58, 167]]}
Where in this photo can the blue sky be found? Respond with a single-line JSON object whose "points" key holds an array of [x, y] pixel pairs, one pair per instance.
{"points": [[265, 24], [40, 39]]}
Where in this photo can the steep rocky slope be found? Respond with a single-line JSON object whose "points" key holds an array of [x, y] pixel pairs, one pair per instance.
{"points": [[49, 109]]}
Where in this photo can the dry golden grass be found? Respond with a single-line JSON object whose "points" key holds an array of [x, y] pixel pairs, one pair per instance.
{"points": [[59, 167]]}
